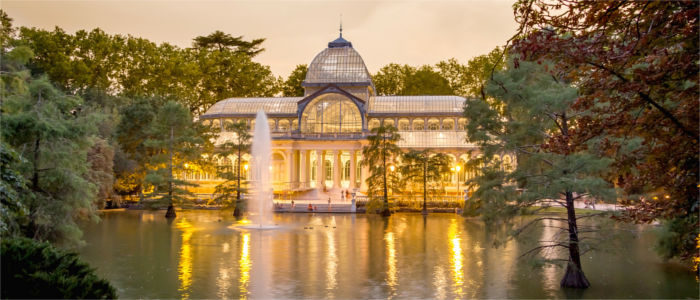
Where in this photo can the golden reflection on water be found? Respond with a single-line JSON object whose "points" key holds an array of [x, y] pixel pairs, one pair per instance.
{"points": [[391, 276], [244, 264], [184, 267], [331, 265], [223, 281], [456, 259]]}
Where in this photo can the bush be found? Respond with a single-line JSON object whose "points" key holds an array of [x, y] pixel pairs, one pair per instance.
{"points": [[32, 269]]}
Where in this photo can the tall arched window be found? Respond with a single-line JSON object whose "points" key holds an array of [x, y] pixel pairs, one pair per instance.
{"points": [[331, 113], [448, 124], [418, 124], [373, 123], [433, 124], [404, 125]]}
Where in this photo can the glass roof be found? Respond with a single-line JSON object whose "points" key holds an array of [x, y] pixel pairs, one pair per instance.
{"points": [[433, 139], [248, 106], [415, 104], [338, 65]]}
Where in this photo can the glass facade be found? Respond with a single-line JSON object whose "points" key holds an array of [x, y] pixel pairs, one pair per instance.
{"points": [[331, 113]]}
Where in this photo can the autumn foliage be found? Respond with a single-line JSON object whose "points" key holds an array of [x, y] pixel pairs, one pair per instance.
{"points": [[636, 66]]}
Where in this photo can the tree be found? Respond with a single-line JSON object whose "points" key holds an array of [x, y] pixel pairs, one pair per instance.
{"points": [[238, 144], [635, 63], [292, 86], [421, 166], [177, 141], [469, 80], [377, 155], [535, 122], [395, 79], [32, 269], [133, 155], [221, 41], [54, 139]]}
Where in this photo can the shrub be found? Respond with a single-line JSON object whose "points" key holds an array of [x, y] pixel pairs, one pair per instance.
{"points": [[32, 269]]}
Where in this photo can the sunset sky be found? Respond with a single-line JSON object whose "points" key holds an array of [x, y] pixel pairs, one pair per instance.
{"points": [[405, 32]]}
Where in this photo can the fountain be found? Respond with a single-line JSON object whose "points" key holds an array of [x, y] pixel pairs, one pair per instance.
{"points": [[260, 201]]}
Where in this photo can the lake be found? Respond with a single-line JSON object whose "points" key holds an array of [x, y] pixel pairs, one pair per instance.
{"points": [[204, 254]]}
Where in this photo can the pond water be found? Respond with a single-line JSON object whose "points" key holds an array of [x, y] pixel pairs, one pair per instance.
{"points": [[202, 254]]}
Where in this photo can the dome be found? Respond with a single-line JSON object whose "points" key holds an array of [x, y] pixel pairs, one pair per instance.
{"points": [[339, 64]]}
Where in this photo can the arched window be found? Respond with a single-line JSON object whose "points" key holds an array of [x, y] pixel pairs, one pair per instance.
{"points": [[388, 122], [404, 125], [331, 113], [227, 124], [283, 125], [346, 170], [295, 124], [373, 123], [462, 123], [328, 166], [272, 125], [206, 122], [418, 124], [216, 124], [448, 124], [433, 124]]}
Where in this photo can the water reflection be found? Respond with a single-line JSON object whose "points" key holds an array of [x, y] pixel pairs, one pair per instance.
{"points": [[406, 256], [456, 259], [244, 265], [184, 268], [331, 264], [391, 276]]}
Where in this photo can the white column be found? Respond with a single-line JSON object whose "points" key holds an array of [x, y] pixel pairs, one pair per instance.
{"points": [[303, 167], [320, 170], [353, 167], [290, 166], [363, 176], [336, 169]]}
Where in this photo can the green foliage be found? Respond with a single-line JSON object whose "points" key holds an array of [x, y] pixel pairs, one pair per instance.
{"points": [[292, 86], [395, 79], [469, 80], [220, 67], [221, 41], [424, 169], [445, 78], [229, 192], [13, 191], [176, 140], [378, 155], [32, 269], [53, 137], [533, 123]]}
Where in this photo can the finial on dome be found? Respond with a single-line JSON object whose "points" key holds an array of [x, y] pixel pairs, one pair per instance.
{"points": [[341, 25]]}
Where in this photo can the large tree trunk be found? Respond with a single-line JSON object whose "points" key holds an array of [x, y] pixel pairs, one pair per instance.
{"points": [[574, 277]]}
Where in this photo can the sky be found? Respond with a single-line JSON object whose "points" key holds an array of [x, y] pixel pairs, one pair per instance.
{"points": [[404, 32]]}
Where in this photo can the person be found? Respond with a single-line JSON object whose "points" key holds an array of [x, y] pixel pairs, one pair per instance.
{"points": [[342, 196], [311, 208], [292, 204]]}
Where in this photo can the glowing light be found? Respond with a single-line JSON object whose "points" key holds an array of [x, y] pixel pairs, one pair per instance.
{"points": [[245, 167], [244, 265], [391, 278], [187, 165], [184, 267], [332, 265], [458, 168], [456, 259], [667, 197], [392, 168]]}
